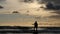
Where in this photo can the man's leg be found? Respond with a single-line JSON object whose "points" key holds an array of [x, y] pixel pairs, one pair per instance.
{"points": [[36, 28]]}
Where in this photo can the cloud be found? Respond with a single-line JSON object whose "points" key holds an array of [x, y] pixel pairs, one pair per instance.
{"points": [[27, 1], [56, 1], [2, 0], [55, 16], [57, 12]]}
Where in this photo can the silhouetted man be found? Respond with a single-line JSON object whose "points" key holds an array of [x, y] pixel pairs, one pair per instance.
{"points": [[35, 25]]}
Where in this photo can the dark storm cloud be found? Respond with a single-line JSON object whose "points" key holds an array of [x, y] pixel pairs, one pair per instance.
{"points": [[55, 1], [27, 1], [2, 0], [40, 1], [1, 7]]}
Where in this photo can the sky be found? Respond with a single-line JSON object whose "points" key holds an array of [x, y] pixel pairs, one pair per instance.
{"points": [[29, 12]]}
